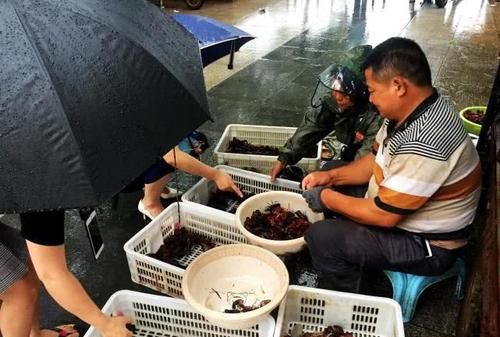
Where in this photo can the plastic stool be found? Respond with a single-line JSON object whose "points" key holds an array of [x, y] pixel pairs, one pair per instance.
{"points": [[407, 288]]}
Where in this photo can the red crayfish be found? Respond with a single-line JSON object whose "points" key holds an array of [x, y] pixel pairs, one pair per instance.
{"points": [[277, 223], [181, 244]]}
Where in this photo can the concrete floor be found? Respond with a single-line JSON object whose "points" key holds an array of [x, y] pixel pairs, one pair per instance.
{"points": [[271, 84]]}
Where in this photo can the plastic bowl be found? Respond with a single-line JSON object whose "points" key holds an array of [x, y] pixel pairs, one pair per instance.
{"points": [[290, 200], [471, 127], [217, 277]]}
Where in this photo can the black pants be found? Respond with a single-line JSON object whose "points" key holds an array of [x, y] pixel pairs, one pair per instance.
{"points": [[342, 249]]}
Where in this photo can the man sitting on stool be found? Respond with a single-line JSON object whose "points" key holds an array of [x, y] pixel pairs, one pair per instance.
{"points": [[424, 180]]}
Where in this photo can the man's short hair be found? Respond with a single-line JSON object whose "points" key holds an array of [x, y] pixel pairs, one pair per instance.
{"points": [[398, 56]]}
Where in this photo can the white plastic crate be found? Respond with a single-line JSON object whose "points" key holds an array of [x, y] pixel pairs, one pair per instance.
{"points": [[249, 182], [259, 135], [315, 309], [166, 278], [161, 316]]}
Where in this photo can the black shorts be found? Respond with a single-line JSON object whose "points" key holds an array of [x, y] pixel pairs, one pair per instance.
{"points": [[157, 171], [152, 174], [43, 228]]}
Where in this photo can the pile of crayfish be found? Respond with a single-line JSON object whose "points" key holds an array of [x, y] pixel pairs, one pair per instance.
{"points": [[475, 116], [243, 146], [277, 223], [330, 331], [179, 245]]}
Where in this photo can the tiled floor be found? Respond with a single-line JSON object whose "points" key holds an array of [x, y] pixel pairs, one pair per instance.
{"points": [[271, 84]]}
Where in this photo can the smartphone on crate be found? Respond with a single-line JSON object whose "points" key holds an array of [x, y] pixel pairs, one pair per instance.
{"points": [[93, 232]]}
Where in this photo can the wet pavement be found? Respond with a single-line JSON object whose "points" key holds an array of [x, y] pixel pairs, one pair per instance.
{"points": [[271, 84]]}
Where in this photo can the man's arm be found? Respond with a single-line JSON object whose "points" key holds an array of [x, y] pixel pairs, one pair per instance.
{"points": [[315, 126], [357, 172], [374, 121], [361, 210]]}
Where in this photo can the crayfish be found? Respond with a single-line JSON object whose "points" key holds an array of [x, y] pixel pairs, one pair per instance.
{"points": [[277, 223], [239, 306], [243, 146], [179, 245], [330, 331]]}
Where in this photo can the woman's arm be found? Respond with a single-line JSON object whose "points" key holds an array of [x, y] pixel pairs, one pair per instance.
{"points": [[188, 164], [50, 265]]}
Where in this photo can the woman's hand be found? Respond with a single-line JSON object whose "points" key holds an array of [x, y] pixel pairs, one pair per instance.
{"points": [[318, 178], [224, 182], [116, 327]]}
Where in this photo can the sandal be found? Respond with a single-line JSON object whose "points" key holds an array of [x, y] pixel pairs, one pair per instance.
{"points": [[169, 192], [65, 330]]}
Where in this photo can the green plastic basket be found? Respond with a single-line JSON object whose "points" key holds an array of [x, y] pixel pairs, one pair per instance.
{"points": [[471, 127]]}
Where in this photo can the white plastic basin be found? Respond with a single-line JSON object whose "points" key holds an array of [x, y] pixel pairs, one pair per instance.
{"points": [[290, 200], [219, 276]]}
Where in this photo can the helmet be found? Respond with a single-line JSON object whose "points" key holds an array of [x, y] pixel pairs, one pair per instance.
{"points": [[344, 76], [340, 78]]}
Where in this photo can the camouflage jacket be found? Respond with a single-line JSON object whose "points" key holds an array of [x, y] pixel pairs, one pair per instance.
{"points": [[356, 127]]}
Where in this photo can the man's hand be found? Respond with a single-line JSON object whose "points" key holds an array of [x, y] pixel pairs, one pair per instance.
{"points": [[313, 198], [224, 182], [276, 169], [318, 178]]}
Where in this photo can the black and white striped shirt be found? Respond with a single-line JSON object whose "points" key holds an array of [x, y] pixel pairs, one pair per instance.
{"points": [[427, 169]]}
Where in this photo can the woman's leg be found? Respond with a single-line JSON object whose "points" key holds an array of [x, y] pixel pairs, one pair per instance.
{"points": [[19, 310], [152, 192], [155, 179], [168, 192], [18, 307]]}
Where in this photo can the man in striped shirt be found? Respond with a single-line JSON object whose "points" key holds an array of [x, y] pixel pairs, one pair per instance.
{"points": [[423, 180]]}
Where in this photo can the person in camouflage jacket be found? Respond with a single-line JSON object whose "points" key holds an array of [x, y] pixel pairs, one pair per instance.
{"points": [[346, 110]]}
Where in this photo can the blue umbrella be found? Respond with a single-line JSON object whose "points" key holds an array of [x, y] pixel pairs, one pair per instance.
{"points": [[216, 39]]}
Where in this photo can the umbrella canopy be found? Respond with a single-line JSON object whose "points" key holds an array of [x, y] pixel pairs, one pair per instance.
{"points": [[90, 98], [216, 38]]}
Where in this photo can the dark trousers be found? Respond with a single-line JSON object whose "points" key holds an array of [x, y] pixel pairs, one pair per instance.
{"points": [[342, 249]]}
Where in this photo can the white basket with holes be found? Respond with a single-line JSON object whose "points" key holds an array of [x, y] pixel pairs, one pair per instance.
{"points": [[161, 316], [315, 309], [259, 135], [248, 182], [166, 278]]}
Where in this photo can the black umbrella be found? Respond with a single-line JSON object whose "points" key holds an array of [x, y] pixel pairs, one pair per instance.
{"points": [[91, 93]]}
